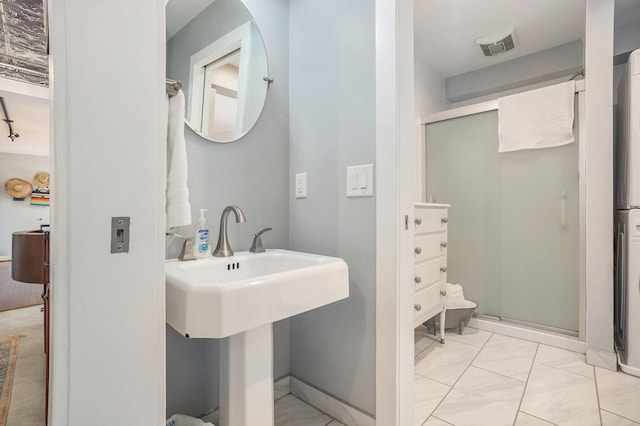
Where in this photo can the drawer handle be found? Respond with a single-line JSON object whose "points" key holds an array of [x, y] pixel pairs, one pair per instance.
{"points": [[444, 220], [443, 269], [418, 221], [417, 307], [417, 279], [443, 244], [443, 292], [418, 250]]}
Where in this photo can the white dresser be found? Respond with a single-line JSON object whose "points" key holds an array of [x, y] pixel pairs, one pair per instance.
{"points": [[430, 262]]}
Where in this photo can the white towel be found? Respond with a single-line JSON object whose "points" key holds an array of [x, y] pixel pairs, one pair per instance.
{"points": [[178, 207], [455, 296], [541, 118], [182, 420]]}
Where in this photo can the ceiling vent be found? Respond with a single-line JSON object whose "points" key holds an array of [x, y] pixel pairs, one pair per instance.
{"points": [[498, 43]]}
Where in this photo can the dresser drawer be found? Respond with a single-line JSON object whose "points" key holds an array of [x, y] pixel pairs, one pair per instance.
{"points": [[430, 272], [428, 302], [430, 220], [429, 246]]}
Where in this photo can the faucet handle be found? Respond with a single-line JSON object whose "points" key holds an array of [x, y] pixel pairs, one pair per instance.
{"points": [[187, 253], [256, 246]]}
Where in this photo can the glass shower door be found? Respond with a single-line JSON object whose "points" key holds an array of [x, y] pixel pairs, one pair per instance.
{"points": [[539, 236], [513, 225], [463, 169]]}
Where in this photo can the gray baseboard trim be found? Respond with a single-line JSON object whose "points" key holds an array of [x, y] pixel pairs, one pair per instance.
{"points": [[282, 388], [335, 408]]}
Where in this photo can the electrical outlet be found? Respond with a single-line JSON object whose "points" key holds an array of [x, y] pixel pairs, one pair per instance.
{"points": [[301, 185]]}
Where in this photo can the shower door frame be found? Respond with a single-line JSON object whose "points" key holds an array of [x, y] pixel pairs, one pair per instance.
{"points": [[540, 334]]}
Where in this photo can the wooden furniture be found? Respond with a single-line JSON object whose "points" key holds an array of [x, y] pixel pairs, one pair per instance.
{"points": [[30, 264], [430, 257]]}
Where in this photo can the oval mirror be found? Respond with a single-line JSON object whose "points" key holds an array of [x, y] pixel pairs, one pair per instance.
{"points": [[215, 48]]}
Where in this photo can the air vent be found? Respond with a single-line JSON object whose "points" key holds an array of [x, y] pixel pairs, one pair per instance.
{"points": [[498, 43]]}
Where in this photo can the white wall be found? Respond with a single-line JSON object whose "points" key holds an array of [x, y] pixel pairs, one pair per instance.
{"points": [[108, 115], [429, 87], [599, 182], [19, 215]]}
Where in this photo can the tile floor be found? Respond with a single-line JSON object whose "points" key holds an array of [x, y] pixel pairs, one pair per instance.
{"points": [[481, 378], [292, 411]]}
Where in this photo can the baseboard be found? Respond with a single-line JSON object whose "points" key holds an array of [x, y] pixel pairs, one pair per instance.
{"points": [[281, 388], [335, 408], [5, 258], [545, 337], [602, 359]]}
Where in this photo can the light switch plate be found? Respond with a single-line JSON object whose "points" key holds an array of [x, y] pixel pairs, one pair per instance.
{"points": [[360, 181], [301, 185]]}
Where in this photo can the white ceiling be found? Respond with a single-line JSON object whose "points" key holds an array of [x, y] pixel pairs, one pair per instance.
{"points": [[445, 31]]}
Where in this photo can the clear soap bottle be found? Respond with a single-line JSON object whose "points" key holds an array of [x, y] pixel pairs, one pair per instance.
{"points": [[202, 246]]}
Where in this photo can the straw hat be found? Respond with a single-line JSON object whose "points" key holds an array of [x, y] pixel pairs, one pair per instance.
{"points": [[41, 180], [18, 188]]}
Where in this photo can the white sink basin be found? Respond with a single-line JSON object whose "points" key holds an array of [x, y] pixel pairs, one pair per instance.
{"points": [[220, 297]]}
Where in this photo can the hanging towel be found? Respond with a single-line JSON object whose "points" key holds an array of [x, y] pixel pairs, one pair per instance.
{"points": [[178, 207], [541, 118]]}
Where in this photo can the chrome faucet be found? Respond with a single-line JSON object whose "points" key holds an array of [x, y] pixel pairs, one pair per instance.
{"points": [[223, 249]]}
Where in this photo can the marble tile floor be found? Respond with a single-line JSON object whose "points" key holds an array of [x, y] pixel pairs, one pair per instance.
{"points": [[292, 411], [481, 378]]}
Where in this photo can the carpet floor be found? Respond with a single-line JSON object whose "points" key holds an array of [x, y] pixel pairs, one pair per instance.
{"points": [[27, 396], [8, 357]]}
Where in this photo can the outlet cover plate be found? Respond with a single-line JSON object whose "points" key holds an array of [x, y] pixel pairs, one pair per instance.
{"points": [[360, 181], [301, 185]]}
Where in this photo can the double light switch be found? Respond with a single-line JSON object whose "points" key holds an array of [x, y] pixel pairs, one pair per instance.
{"points": [[360, 181]]}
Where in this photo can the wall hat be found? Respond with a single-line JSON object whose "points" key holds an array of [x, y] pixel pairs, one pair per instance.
{"points": [[41, 180], [18, 188]]}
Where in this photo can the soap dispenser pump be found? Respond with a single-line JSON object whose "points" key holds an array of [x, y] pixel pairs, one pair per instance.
{"points": [[203, 248]]}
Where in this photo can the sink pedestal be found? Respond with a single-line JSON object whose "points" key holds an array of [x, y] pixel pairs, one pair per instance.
{"points": [[246, 378]]}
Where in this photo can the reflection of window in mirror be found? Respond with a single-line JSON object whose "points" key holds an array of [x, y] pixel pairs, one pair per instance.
{"points": [[220, 98]]}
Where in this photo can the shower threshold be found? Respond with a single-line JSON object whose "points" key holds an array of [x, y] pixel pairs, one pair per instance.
{"points": [[552, 336]]}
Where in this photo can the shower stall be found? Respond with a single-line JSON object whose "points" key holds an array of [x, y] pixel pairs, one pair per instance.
{"points": [[516, 225]]}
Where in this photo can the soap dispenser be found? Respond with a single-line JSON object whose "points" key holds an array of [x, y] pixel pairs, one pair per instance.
{"points": [[203, 248]]}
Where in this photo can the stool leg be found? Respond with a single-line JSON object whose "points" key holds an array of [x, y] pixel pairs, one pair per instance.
{"points": [[442, 326]]}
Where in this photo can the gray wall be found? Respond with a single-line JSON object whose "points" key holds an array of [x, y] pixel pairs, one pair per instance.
{"points": [[549, 64], [332, 125], [19, 215], [251, 173]]}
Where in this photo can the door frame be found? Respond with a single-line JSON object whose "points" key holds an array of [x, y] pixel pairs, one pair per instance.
{"points": [[395, 177]]}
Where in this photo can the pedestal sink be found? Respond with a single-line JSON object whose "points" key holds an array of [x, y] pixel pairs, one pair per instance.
{"points": [[239, 298]]}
